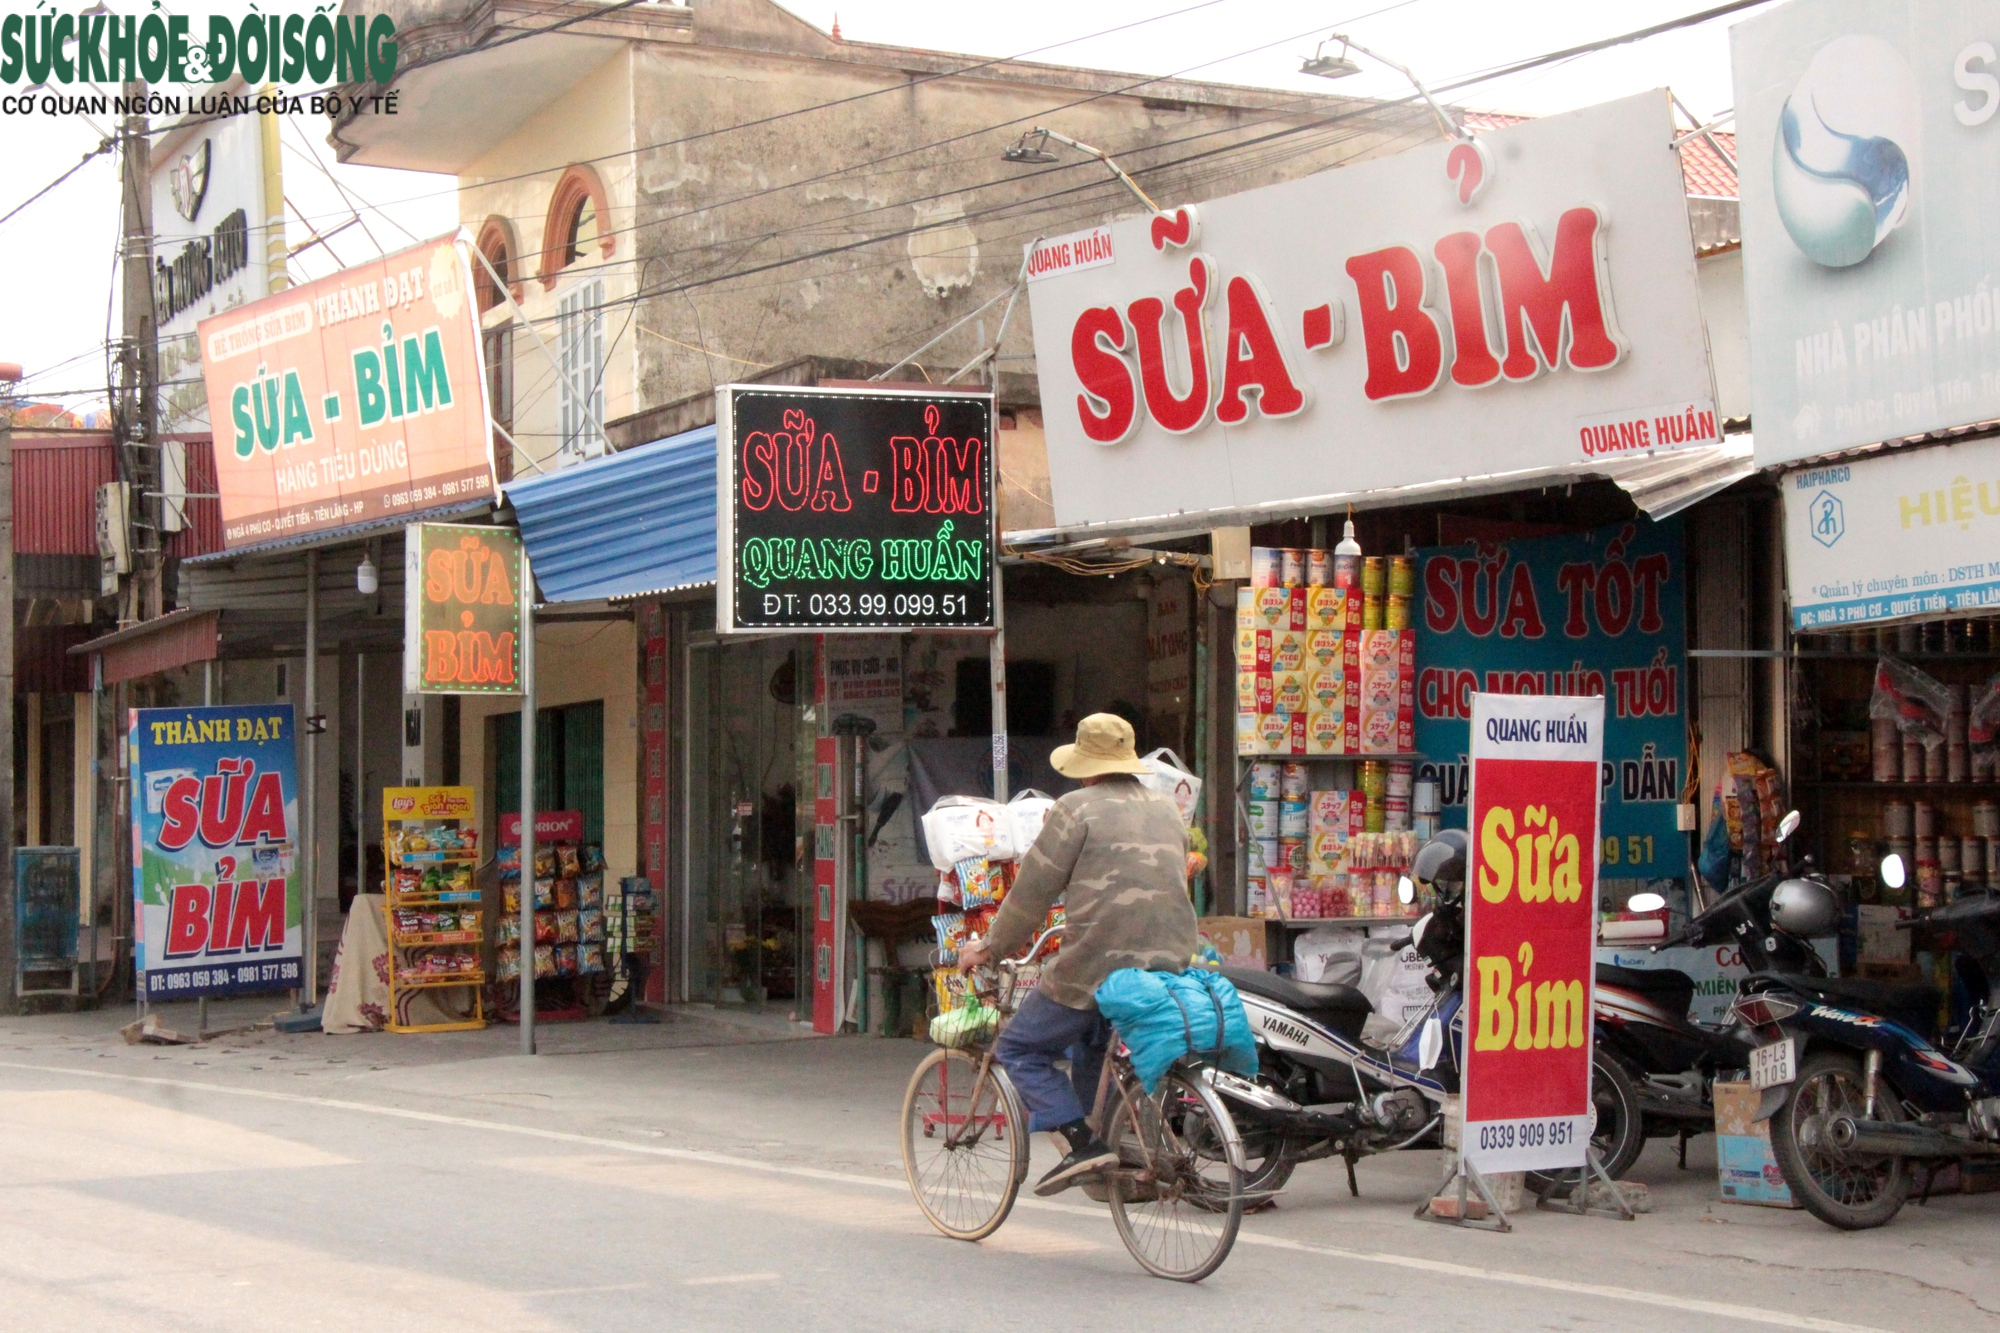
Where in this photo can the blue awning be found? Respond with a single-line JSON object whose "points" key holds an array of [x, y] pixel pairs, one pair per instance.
{"points": [[637, 522]]}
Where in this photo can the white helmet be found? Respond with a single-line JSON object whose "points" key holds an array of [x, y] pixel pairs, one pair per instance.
{"points": [[1804, 907]]}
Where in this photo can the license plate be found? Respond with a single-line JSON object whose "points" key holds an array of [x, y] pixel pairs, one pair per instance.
{"points": [[1773, 1065]]}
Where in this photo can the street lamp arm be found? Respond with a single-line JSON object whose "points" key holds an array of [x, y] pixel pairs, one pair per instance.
{"points": [[1451, 126], [1104, 157]]}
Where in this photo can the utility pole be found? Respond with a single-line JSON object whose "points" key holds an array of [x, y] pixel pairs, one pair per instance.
{"points": [[136, 406], [9, 376]]}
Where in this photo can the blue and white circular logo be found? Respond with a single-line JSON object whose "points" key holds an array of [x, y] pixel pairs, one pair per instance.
{"points": [[1841, 165]]}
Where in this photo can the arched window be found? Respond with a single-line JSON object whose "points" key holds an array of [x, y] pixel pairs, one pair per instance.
{"points": [[578, 223], [496, 242]]}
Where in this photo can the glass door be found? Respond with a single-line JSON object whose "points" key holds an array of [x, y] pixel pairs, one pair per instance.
{"points": [[744, 908]]}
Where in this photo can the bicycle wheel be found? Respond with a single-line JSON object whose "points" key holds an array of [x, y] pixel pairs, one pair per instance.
{"points": [[965, 1150], [1177, 1193]]}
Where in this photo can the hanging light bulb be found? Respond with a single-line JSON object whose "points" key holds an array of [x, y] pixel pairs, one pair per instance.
{"points": [[366, 577]]}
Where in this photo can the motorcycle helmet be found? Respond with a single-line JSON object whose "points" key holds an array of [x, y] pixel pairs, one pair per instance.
{"points": [[1804, 908], [1442, 859]]}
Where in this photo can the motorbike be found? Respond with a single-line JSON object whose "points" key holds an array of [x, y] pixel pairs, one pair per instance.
{"points": [[1664, 1064], [1325, 1089], [1857, 1093]]}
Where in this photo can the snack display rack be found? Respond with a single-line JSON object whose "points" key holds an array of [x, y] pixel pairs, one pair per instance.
{"points": [[436, 924], [569, 949]]}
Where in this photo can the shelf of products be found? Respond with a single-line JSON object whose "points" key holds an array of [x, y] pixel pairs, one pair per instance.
{"points": [[1893, 756], [570, 928], [1309, 923], [435, 921]]}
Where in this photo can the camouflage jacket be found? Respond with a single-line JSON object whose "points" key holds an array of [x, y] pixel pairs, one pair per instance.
{"points": [[1115, 856]]}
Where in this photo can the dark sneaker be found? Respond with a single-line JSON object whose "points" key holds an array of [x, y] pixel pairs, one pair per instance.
{"points": [[1091, 1158]]}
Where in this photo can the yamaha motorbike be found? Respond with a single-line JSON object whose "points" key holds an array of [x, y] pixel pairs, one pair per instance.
{"points": [[1858, 1095], [1324, 1089]]}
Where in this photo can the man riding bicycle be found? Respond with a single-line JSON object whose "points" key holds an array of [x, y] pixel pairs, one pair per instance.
{"points": [[1115, 854]]}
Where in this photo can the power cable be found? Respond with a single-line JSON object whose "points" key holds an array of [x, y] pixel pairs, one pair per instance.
{"points": [[103, 146]]}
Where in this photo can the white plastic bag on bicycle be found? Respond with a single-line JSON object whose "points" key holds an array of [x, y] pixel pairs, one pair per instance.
{"points": [[1168, 776], [961, 826], [1026, 813]]}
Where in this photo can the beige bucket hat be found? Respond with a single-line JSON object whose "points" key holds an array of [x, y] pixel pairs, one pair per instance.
{"points": [[1104, 744]]}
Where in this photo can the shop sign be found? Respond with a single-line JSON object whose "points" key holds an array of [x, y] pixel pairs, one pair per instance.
{"points": [[1530, 926], [1523, 302], [1602, 612], [214, 809], [429, 803], [854, 509], [353, 399], [1867, 134], [1904, 534], [208, 190], [550, 826], [461, 609]]}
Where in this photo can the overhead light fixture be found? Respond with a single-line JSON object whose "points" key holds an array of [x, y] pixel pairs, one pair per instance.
{"points": [[1037, 153], [1324, 66], [366, 577], [1036, 156]]}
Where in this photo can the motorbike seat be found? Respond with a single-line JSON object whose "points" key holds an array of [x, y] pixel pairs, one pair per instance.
{"points": [[1342, 1008], [1666, 987], [1915, 1006]]}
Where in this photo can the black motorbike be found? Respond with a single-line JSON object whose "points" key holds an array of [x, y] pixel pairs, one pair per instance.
{"points": [[1858, 1096], [1666, 1062]]}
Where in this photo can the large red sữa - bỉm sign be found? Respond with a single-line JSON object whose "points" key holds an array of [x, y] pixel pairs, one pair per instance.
{"points": [[349, 400], [1530, 930], [1523, 302]]}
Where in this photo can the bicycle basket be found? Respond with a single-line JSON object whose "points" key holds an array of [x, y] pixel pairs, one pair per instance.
{"points": [[969, 1025]]}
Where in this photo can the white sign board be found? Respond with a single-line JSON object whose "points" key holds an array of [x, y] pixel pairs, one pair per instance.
{"points": [[208, 249], [1867, 142], [1907, 534], [1524, 302]]}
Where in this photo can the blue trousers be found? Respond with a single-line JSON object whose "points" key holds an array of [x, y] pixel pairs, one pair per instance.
{"points": [[1041, 1033]]}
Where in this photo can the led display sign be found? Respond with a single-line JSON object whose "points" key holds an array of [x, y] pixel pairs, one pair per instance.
{"points": [[854, 509]]}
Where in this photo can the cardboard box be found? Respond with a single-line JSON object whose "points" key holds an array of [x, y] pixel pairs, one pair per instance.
{"points": [[1243, 941], [1746, 1170], [1270, 733], [1335, 609], [1387, 660]]}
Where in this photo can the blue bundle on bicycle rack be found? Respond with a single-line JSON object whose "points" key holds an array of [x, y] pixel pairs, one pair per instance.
{"points": [[1162, 1016]]}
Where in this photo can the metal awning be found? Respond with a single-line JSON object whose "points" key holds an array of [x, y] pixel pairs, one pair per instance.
{"points": [[634, 524], [1660, 484]]}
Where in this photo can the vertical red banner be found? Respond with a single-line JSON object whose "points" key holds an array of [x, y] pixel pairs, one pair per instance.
{"points": [[653, 832], [1530, 930], [826, 863]]}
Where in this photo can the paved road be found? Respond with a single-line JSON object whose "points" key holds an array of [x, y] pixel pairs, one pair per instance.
{"points": [[711, 1175]]}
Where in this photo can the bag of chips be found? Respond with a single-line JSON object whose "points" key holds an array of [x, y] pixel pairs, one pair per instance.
{"points": [[545, 893], [951, 933], [545, 861], [590, 889], [593, 856], [508, 862], [507, 965], [510, 899], [566, 927], [545, 927], [509, 929], [545, 960], [565, 960], [589, 958], [590, 924], [565, 891], [568, 863], [978, 885]]}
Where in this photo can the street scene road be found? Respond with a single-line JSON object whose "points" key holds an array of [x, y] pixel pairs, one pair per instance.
{"points": [[712, 1174]]}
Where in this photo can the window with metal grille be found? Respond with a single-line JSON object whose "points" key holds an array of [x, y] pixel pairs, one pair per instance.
{"points": [[580, 360]]}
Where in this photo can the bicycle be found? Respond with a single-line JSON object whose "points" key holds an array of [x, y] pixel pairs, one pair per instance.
{"points": [[1176, 1196]]}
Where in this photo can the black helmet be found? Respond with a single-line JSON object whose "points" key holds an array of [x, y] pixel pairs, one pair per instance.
{"points": [[1442, 859]]}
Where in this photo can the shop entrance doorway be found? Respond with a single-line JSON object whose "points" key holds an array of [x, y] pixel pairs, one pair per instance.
{"points": [[747, 928]]}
